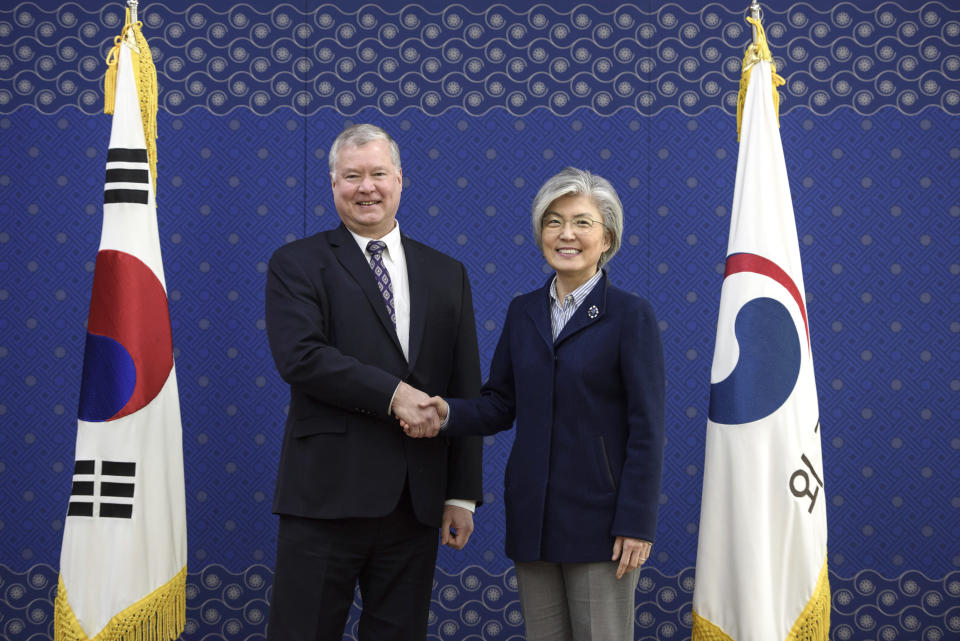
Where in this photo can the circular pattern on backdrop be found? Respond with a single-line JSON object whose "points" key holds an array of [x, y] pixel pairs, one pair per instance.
{"points": [[533, 59]]}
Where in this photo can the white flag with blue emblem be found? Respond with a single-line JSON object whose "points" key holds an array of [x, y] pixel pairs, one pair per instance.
{"points": [[123, 560], [761, 570]]}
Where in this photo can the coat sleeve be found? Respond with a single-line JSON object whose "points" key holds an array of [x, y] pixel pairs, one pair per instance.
{"points": [[464, 456], [641, 359], [296, 330], [495, 410]]}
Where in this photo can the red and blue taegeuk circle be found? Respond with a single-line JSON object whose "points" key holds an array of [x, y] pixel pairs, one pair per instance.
{"points": [[769, 344], [129, 349]]}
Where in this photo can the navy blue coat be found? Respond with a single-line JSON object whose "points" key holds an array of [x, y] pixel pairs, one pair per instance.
{"points": [[588, 449]]}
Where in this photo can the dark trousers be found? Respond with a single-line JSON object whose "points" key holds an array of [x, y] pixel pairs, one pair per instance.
{"points": [[319, 562]]}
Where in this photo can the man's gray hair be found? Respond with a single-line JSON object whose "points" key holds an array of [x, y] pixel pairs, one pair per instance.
{"points": [[577, 182], [359, 135]]}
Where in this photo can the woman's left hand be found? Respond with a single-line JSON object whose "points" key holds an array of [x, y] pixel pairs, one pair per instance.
{"points": [[632, 554]]}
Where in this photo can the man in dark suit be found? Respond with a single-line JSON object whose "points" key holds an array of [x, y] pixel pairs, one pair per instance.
{"points": [[365, 324]]}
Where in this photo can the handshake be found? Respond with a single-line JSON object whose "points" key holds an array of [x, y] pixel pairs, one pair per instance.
{"points": [[420, 415]]}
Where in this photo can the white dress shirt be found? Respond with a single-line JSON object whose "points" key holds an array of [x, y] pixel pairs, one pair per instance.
{"points": [[395, 260]]}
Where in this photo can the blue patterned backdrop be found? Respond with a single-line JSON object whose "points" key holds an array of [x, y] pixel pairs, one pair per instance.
{"points": [[486, 102]]}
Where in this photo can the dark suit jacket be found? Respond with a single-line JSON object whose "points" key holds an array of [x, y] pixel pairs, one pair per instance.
{"points": [[343, 455], [588, 450]]}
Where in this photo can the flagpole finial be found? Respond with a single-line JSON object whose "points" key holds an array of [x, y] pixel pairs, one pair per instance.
{"points": [[133, 9], [755, 14]]}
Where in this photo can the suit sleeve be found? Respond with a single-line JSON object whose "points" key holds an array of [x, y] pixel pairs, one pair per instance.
{"points": [[495, 410], [296, 331], [641, 358], [465, 454]]}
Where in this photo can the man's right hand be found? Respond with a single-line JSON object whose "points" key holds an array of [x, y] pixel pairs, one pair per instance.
{"points": [[415, 412], [442, 409]]}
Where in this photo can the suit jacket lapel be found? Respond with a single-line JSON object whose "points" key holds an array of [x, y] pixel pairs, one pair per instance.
{"points": [[590, 311], [418, 280], [539, 312], [353, 260]]}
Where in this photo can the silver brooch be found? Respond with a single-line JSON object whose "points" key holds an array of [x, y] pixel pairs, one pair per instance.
{"points": [[593, 312]]}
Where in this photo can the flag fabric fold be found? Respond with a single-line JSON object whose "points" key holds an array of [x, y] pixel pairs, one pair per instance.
{"points": [[123, 559], [761, 571]]}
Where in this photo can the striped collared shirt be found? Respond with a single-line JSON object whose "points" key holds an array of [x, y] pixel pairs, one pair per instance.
{"points": [[562, 311]]}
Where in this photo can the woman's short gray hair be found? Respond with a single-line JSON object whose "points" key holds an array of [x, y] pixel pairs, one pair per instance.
{"points": [[359, 135], [577, 182]]}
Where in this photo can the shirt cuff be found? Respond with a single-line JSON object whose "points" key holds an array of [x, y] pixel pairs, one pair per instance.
{"points": [[467, 505], [446, 419], [393, 396]]}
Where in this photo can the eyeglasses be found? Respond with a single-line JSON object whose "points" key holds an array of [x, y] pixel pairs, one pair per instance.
{"points": [[580, 225]]}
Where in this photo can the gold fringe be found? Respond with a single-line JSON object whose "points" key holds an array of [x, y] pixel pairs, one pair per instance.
{"points": [[145, 76], [159, 616], [703, 630], [813, 624], [754, 54]]}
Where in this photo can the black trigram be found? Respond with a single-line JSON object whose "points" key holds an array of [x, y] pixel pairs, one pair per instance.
{"points": [[110, 490], [128, 177]]}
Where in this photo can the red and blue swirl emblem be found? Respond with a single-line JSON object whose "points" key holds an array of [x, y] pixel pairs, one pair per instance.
{"points": [[129, 349], [769, 344]]}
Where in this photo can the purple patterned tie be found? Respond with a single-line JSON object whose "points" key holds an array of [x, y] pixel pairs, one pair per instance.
{"points": [[376, 247]]}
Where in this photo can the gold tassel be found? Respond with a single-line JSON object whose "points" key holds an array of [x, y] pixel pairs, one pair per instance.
{"points": [[110, 79], [754, 54], [145, 76], [813, 624], [159, 616]]}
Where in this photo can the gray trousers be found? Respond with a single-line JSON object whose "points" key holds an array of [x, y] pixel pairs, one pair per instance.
{"points": [[576, 601]]}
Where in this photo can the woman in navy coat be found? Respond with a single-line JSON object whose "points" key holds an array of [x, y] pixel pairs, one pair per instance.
{"points": [[579, 367]]}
